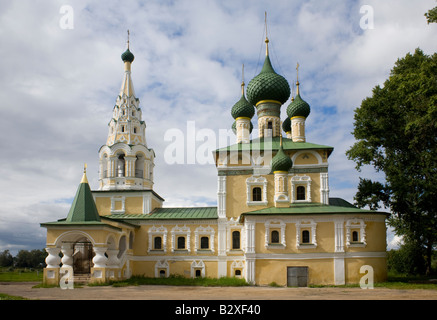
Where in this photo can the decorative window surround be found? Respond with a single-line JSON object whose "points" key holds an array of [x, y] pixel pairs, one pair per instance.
{"points": [[310, 225], [180, 231], [275, 225], [234, 225], [256, 181], [158, 232], [198, 233], [160, 265], [237, 265], [298, 181], [197, 265], [356, 224], [115, 199]]}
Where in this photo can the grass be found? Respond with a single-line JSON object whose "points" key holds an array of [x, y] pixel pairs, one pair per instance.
{"points": [[21, 275], [176, 280], [4, 296]]}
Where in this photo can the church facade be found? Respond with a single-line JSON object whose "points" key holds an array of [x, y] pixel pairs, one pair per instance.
{"points": [[274, 220]]}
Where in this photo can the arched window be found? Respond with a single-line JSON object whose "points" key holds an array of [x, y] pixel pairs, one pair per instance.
{"points": [[181, 242], [204, 243], [256, 194], [162, 273], [300, 193], [274, 237], [355, 236], [120, 165], [198, 273], [157, 243], [131, 240], [305, 236], [236, 240]]}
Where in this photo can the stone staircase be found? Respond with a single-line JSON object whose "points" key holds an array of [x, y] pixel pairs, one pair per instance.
{"points": [[82, 278]]}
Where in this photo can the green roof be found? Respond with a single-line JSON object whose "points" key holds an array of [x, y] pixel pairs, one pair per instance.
{"points": [[171, 214], [273, 144], [298, 108], [268, 85], [242, 109], [336, 206], [281, 162], [83, 207]]}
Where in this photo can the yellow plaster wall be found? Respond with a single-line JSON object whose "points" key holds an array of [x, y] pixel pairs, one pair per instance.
{"points": [[103, 205], [134, 205], [353, 265]]}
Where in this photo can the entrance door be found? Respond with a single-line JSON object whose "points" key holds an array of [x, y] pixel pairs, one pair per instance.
{"points": [[297, 276], [82, 257]]}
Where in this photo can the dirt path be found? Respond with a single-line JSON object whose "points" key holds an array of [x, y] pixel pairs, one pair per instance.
{"points": [[212, 293]]}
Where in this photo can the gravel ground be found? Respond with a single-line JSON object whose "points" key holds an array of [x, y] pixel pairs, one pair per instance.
{"points": [[212, 293]]}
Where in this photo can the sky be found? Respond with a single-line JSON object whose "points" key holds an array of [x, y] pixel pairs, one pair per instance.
{"points": [[61, 72]]}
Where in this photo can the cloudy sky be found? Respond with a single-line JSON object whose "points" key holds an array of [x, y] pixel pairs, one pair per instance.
{"points": [[60, 77]]}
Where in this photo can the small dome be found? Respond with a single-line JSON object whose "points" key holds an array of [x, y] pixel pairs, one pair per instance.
{"points": [[281, 162], [242, 109], [127, 56], [298, 108], [268, 85], [286, 125]]}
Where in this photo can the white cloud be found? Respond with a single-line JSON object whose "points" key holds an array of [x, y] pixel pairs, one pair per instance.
{"points": [[59, 86]]}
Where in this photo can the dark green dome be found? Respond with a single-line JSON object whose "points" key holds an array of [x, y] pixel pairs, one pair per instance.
{"points": [[298, 108], [281, 162], [234, 127], [268, 85], [286, 125], [242, 109], [127, 56]]}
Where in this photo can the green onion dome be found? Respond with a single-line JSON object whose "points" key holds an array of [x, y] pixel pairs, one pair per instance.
{"points": [[234, 127], [281, 162], [242, 109], [286, 125], [298, 108], [268, 85], [127, 56]]}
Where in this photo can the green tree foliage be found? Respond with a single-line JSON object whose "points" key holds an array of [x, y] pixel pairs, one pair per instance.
{"points": [[6, 259], [396, 133], [431, 15]]}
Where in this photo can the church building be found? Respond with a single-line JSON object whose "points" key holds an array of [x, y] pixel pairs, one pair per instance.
{"points": [[274, 220]]}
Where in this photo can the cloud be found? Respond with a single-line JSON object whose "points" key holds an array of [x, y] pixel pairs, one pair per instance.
{"points": [[59, 86]]}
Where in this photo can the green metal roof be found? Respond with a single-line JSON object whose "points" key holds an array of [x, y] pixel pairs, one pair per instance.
{"points": [[273, 144], [336, 206], [171, 214], [83, 208]]}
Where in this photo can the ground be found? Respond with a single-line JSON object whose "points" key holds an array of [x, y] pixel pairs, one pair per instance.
{"points": [[212, 293]]}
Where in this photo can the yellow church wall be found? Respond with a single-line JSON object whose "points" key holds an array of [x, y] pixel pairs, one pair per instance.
{"points": [[134, 205], [353, 266], [324, 238], [103, 205], [320, 271], [375, 238]]}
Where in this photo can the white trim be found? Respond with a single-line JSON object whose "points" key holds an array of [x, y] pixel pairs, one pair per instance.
{"points": [[161, 264], [356, 224], [195, 265], [256, 181], [306, 224], [180, 231], [275, 224], [204, 231], [296, 181], [157, 231]]}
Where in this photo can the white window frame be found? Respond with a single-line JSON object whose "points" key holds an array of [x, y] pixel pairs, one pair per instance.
{"points": [[161, 232], [356, 224], [253, 182], [306, 224], [276, 225], [204, 231], [115, 199], [297, 181], [183, 231]]}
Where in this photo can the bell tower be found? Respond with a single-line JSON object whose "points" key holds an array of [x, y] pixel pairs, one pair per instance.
{"points": [[126, 163]]}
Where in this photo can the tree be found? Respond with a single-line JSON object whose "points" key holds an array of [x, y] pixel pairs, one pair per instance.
{"points": [[6, 259], [431, 15], [396, 133]]}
